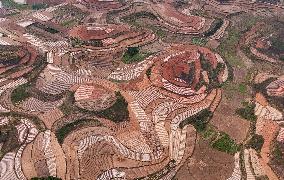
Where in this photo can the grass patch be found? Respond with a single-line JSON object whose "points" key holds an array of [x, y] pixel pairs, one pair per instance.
{"points": [[225, 144], [20, 93], [68, 128], [66, 109], [132, 59], [228, 46], [209, 133], [69, 15], [198, 41], [242, 88], [220, 140]]}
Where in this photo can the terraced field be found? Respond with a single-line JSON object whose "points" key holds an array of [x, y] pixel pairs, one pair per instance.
{"points": [[148, 89]]}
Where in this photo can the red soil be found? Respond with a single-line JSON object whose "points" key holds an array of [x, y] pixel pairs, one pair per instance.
{"points": [[261, 44], [192, 21], [85, 34], [179, 64]]}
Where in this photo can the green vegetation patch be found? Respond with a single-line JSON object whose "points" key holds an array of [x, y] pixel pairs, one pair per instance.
{"points": [[199, 120], [68, 128], [225, 144], [228, 46], [38, 6], [242, 88], [247, 111], [219, 140], [233, 88], [209, 133], [133, 55], [13, 5], [118, 112], [20, 93]]}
